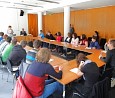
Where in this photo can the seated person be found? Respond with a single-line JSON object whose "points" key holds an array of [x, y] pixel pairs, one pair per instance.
{"points": [[94, 44], [34, 78], [75, 39], [63, 49], [31, 54], [4, 44], [83, 40], [58, 37], [1, 35], [23, 32], [8, 49], [41, 34], [4, 38], [30, 44], [97, 36], [110, 56], [90, 75], [50, 36], [18, 54]]}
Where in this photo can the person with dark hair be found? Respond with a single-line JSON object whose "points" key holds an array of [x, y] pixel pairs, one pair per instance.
{"points": [[83, 40], [97, 36], [1, 35], [4, 44], [8, 49], [30, 44], [50, 36], [75, 39], [4, 38], [10, 31], [23, 32], [18, 54], [34, 78], [41, 34], [31, 54], [58, 37], [71, 30], [90, 72], [110, 56], [94, 44]]}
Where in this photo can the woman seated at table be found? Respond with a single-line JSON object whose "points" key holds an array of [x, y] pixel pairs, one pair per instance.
{"points": [[83, 40], [58, 39], [63, 49], [75, 39], [90, 75], [35, 76]]}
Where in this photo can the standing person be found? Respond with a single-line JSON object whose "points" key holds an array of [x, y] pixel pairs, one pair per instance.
{"points": [[10, 31], [90, 72], [71, 30], [110, 56], [35, 76], [23, 32], [41, 34], [18, 54]]}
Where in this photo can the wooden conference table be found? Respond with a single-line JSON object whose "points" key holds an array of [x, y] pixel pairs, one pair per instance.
{"points": [[69, 76]]}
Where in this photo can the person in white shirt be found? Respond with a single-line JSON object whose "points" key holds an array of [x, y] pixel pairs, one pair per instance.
{"points": [[10, 31], [75, 39]]}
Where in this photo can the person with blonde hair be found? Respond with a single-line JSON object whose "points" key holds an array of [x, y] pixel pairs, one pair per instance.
{"points": [[35, 76]]}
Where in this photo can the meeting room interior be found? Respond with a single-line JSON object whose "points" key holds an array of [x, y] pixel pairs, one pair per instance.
{"points": [[57, 48]]}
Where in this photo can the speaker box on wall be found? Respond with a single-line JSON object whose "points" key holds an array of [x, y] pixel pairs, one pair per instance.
{"points": [[21, 12]]}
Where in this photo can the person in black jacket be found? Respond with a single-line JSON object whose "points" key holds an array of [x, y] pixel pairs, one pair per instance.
{"points": [[18, 54], [110, 56], [90, 75], [23, 32], [50, 36]]}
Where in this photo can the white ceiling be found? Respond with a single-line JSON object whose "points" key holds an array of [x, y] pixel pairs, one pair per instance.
{"points": [[54, 5]]}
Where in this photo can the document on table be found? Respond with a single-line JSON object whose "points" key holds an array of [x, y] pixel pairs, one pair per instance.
{"points": [[75, 70], [51, 60]]}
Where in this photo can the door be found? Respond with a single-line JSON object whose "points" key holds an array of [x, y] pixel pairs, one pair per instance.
{"points": [[33, 24]]}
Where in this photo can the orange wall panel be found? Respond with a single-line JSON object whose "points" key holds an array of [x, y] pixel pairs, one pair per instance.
{"points": [[84, 21]]}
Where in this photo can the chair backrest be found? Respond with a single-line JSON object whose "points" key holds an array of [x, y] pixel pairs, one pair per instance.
{"points": [[102, 42], [20, 90], [9, 66], [23, 68], [101, 89]]}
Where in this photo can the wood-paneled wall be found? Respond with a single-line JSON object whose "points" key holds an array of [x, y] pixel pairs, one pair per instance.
{"points": [[84, 21], [53, 23]]}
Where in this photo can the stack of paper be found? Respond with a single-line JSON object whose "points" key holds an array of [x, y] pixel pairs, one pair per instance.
{"points": [[75, 70]]}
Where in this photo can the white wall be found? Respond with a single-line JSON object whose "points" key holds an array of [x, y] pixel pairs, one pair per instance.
{"points": [[12, 17]]}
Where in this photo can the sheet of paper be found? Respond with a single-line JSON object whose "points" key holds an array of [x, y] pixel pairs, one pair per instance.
{"points": [[52, 40], [75, 70], [104, 51], [51, 60]]}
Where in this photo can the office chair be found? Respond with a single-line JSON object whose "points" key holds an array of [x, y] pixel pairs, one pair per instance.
{"points": [[102, 43], [2, 67], [23, 68], [99, 90], [11, 70]]}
